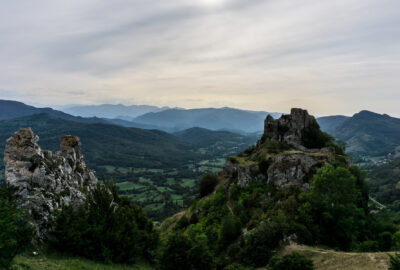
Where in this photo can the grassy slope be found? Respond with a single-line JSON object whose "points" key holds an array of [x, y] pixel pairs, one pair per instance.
{"points": [[337, 260], [55, 262]]}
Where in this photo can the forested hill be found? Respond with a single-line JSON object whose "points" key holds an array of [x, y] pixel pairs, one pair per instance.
{"points": [[369, 133], [105, 144], [13, 109]]}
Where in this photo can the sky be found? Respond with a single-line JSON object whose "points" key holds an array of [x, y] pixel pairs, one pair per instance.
{"points": [[330, 57]]}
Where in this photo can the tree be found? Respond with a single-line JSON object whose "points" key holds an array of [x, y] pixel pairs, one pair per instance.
{"points": [[15, 233], [107, 228], [208, 184], [332, 208]]}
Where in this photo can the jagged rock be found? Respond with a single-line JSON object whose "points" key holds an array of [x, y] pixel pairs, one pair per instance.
{"points": [[288, 128], [286, 167], [44, 181]]}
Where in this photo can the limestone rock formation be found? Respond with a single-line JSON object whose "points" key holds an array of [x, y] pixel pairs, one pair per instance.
{"points": [[289, 127], [44, 180], [280, 158]]}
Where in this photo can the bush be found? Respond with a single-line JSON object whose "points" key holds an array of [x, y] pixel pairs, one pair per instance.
{"points": [[293, 261], [368, 246], [313, 137], [107, 228], [15, 233], [236, 266], [261, 243], [394, 261], [230, 230], [182, 253], [208, 184]]}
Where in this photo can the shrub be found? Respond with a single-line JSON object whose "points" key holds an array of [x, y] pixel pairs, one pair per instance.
{"points": [[182, 253], [107, 228], [293, 261], [313, 137], [15, 233], [394, 261], [368, 246], [385, 241], [236, 266], [208, 184], [230, 230], [396, 240], [261, 243]]}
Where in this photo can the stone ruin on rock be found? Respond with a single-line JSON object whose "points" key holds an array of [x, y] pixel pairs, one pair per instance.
{"points": [[286, 167], [43, 180], [289, 127]]}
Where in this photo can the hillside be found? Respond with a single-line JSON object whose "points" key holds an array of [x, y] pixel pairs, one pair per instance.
{"points": [[369, 134], [112, 111], [13, 109], [209, 138], [384, 184], [294, 185], [330, 123], [157, 170], [209, 118]]}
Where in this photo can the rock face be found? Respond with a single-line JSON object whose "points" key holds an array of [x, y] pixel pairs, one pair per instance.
{"points": [[289, 127], [290, 166], [45, 180]]}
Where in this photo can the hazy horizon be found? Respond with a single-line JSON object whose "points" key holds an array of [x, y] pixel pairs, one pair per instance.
{"points": [[330, 57]]}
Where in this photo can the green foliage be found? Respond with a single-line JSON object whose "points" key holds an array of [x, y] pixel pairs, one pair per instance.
{"points": [[230, 230], [107, 228], [236, 266], [207, 184], [331, 207], [15, 233], [394, 261], [183, 253], [262, 241], [293, 261], [313, 137], [368, 246], [396, 240]]}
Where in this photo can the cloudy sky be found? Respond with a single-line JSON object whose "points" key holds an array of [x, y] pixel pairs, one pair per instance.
{"points": [[332, 57]]}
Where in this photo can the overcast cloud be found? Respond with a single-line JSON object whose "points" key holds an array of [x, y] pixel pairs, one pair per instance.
{"points": [[328, 56]]}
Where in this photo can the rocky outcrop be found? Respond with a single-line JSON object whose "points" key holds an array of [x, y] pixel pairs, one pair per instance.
{"points": [[288, 128], [291, 165], [44, 180]]}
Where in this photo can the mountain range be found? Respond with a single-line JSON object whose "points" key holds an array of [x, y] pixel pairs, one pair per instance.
{"points": [[112, 111], [366, 133]]}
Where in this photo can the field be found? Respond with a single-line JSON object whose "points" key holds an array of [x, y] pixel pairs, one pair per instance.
{"points": [[162, 192]]}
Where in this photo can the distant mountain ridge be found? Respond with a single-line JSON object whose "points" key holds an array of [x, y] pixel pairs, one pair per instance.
{"points": [[229, 119], [112, 111], [10, 109]]}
